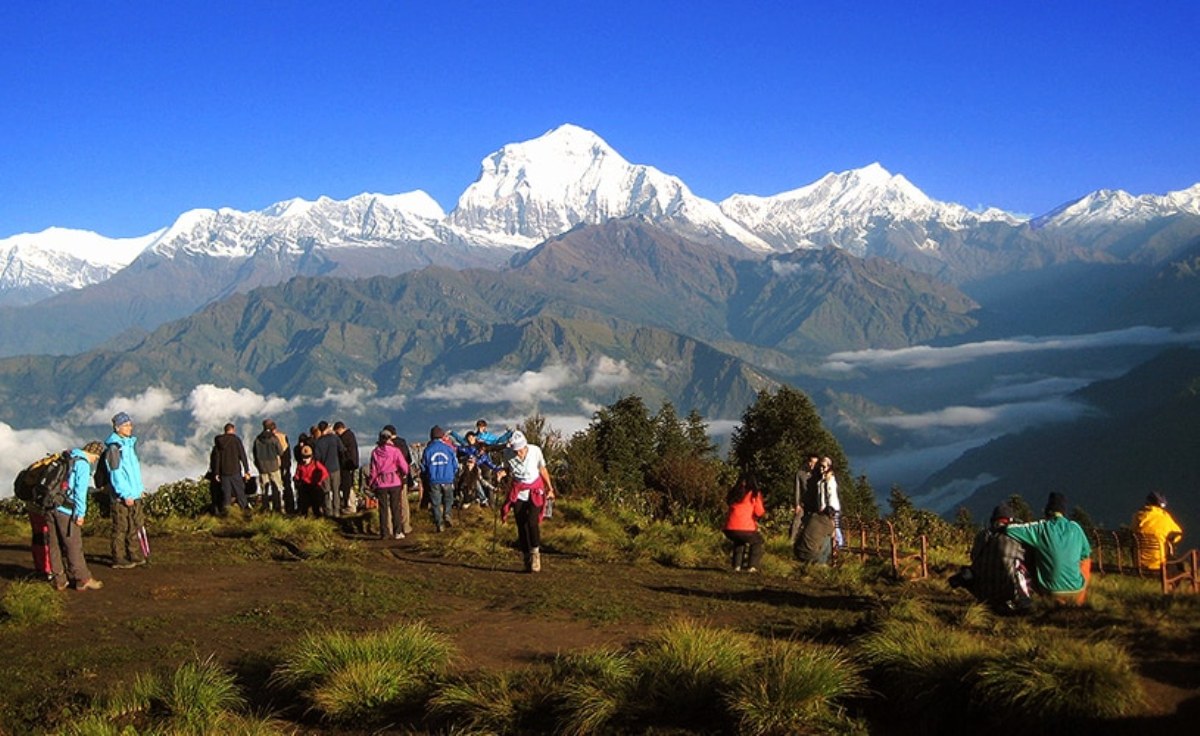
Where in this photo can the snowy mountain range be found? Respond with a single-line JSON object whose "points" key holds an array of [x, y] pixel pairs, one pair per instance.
{"points": [[530, 191]]}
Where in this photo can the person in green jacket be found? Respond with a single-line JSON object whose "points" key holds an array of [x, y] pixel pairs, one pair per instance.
{"points": [[1062, 552]]}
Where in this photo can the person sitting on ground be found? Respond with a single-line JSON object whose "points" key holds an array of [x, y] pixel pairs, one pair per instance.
{"points": [[310, 480], [745, 502], [470, 485], [485, 470], [997, 575], [66, 524], [1063, 555], [1153, 521]]}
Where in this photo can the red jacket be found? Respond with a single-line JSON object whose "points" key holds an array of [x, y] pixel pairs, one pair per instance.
{"points": [[313, 474], [744, 514]]}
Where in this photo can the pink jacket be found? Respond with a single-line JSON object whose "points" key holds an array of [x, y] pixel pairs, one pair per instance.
{"points": [[388, 467]]}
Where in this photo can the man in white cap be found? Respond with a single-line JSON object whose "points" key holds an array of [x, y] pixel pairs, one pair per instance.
{"points": [[125, 477]]}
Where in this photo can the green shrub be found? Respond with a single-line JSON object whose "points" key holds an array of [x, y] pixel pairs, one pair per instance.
{"points": [[492, 703], [29, 603], [594, 688], [679, 545], [186, 498]]}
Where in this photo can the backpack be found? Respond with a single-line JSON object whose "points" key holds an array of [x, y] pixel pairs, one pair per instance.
{"points": [[102, 478], [43, 485]]}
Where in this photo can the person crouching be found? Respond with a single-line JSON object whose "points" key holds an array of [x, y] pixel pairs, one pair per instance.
{"points": [[745, 502]]}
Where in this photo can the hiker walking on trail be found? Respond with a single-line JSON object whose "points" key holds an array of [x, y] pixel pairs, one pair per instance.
{"points": [[531, 488], [66, 524], [388, 476], [1063, 554], [1154, 521], [439, 463], [125, 479], [230, 468], [745, 501], [268, 454]]}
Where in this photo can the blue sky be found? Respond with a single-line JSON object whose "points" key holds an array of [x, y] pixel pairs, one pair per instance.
{"points": [[117, 117]]}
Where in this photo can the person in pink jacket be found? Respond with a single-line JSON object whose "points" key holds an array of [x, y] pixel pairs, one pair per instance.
{"points": [[387, 476]]}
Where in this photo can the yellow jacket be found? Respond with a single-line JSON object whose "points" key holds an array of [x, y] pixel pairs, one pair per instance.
{"points": [[1155, 521]]}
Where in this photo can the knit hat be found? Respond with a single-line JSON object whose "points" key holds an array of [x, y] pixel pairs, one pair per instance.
{"points": [[305, 451], [1156, 499], [121, 418], [1003, 511], [517, 441], [269, 424], [436, 433], [1057, 503]]}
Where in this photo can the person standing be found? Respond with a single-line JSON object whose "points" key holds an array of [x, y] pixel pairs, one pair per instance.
{"points": [[348, 462], [1063, 554], [66, 524], [268, 453], [819, 529], [411, 481], [327, 449], [1153, 521], [806, 492], [745, 503], [388, 476], [439, 463], [230, 468], [125, 478], [285, 472], [531, 488]]}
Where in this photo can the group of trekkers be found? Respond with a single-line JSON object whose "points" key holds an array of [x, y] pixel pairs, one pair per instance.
{"points": [[469, 468], [1055, 548]]}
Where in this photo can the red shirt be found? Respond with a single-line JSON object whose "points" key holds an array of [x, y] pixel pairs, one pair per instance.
{"points": [[313, 474], [744, 513]]}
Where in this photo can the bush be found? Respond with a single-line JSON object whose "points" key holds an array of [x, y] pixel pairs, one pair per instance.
{"points": [[187, 498], [795, 688]]}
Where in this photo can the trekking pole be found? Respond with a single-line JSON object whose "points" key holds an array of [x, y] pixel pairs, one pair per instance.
{"points": [[144, 541]]}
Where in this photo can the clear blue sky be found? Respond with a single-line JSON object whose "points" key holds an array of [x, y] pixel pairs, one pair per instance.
{"points": [[117, 117]]}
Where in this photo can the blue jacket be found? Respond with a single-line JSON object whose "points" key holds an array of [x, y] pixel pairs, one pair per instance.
{"points": [[440, 462], [486, 438], [77, 485], [127, 475], [479, 452]]}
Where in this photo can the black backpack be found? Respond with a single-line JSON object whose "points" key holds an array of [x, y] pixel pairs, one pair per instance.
{"points": [[44, 484], [102, 477]]}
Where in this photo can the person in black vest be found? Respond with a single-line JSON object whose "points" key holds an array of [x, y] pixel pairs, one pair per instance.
{"points": [[327, 449], [348, 460]]}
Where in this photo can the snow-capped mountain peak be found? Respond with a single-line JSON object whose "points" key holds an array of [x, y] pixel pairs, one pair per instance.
{"points": [[36, 265], [529, 191], [1107, 206], [841, 208]]}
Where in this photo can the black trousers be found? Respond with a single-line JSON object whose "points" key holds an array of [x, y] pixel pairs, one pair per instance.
{"points": [[529, 525]]}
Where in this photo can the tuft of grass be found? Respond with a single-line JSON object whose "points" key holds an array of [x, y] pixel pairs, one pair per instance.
{"points": [[680, 545], [200, 693], [29, 603], [795, 688], [594, 689], [341, 671], [685, 668], [513, 701], [1059, 680]]}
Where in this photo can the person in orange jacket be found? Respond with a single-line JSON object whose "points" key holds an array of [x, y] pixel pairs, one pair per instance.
{"points": [[745, 502]]}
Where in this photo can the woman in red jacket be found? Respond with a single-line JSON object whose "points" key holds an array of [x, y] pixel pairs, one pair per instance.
{"points": [[741, 526]]}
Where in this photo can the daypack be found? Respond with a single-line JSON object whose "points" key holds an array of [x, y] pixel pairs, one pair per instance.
{"points": [[44, 484], [102, 477]]}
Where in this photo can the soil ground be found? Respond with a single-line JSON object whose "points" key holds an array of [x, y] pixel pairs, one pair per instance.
{"points": [[203, 596]]}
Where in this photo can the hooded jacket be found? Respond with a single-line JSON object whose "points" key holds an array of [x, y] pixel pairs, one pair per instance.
{"points": [[124, 468]]}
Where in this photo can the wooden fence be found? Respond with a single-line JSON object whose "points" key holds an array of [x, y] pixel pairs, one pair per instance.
{"points": [[868, 538], [1120, 552]]}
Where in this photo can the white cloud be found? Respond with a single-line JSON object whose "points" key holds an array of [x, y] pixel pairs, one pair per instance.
{"points": [[341, 400], [144, 407], [926, 357], [1011, 416], [502, 387], [213, 406], [609, 373], [1023, 390]]}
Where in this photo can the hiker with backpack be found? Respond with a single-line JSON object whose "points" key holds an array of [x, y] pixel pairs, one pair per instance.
{"points": [[66, 523], [122, 471]]}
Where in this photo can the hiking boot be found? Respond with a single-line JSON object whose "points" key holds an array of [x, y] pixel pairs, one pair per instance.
{"points": [[535, 561], [439, 528], [123, 566], [138, 563], [448, 524], [89, 584], [398, 535], [59, 582]]}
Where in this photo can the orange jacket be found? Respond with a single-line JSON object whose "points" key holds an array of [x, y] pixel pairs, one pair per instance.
{"points": [[744, 515]]}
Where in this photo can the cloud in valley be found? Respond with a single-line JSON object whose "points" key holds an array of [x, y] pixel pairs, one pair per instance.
{"points": [[1009, 416], [144, 407], [502, 387], [926, 357], [609, 373]]}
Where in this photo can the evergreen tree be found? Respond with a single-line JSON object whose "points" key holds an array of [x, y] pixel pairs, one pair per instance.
{"points": [[696, 430], [624, 441], [1021, 508], [775, 433]]}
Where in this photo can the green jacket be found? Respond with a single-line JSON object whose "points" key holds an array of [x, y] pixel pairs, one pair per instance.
{"points": [[1060, 545]]}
